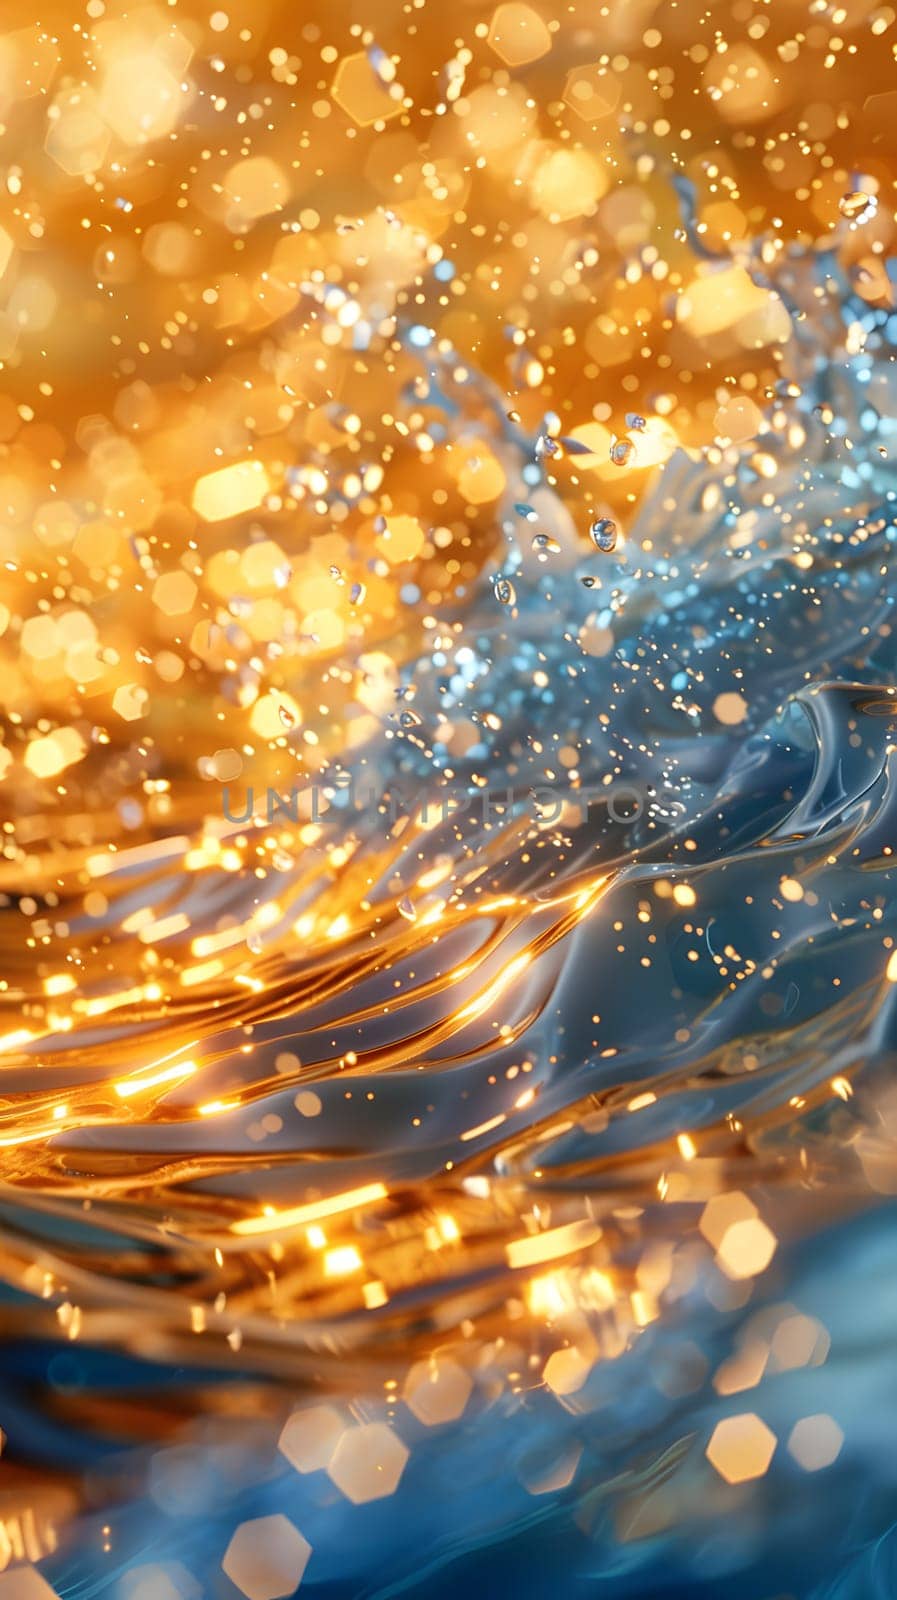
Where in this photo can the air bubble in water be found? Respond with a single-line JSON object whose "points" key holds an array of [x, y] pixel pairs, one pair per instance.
{"points": [[504, 591]]}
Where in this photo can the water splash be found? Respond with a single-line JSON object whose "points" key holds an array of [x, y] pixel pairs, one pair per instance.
{"points": [[537, 1142]]}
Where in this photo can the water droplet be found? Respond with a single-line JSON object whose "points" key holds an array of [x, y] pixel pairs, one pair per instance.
{"points": [[588, 582], [357, 594], [523, 510], [621, 451], [546, 446], [603, 534], [504, 591], [409, 719], [337, 576], [634, 421], [545, 543], [407, 910], [855, 205], [286, 717]]}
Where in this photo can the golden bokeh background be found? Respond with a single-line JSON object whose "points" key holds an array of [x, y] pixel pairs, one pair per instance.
{"points": [[223, 460]]}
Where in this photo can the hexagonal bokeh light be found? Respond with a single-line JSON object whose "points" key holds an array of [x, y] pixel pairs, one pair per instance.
{"points": [[266, 1558], [368, 1462], [741, 1448]]}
